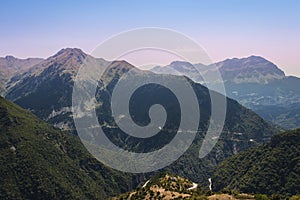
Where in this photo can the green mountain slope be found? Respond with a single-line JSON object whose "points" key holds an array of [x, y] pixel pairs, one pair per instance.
{"points": [[274, 101], [165, 186], [271, 168], [40, 162], [286, 116], [47, 93]]}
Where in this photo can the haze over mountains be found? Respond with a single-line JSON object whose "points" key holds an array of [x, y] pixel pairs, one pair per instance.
{"points": [[255, 82], [47, 92], [45, 89], [253, 69]]}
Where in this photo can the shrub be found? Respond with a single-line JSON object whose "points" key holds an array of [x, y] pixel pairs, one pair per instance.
{"points": [[261, 197]]}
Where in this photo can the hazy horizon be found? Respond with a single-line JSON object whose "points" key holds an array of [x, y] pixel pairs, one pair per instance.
{"points": [[225, 30]]}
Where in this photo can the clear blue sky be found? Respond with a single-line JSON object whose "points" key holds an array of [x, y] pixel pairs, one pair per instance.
{"points": [[226, 29]]}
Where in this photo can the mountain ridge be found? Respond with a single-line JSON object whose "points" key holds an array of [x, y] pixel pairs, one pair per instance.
{"points": [[250, 69], [49, 96], [253, 81], [11, 66], [229, 68], [49, 93]]}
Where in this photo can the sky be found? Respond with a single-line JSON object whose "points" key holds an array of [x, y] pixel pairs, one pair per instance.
{"points": [[225, 29]]}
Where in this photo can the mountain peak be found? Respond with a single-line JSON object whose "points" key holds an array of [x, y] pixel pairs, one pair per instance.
{"points": [[250, 69], [66, 59], [252, 58], [175, 63], [68, 52], [181, 64], [258, 59]]}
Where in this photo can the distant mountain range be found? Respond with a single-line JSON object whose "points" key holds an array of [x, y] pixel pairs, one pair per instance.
{"points": [[255, 82], [47, 92], [253, 69], [43, 162]]}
